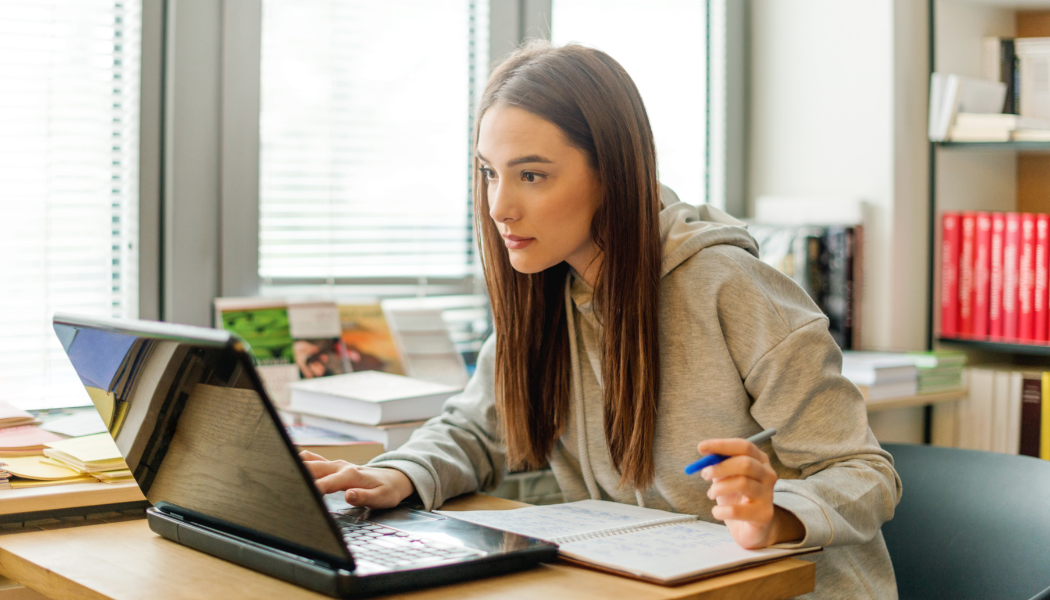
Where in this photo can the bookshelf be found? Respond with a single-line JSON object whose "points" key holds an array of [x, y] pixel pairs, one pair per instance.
{"points": [[991, 176]]}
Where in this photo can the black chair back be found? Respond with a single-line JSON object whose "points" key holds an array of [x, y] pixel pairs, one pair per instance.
{"points": [[969, 524]]}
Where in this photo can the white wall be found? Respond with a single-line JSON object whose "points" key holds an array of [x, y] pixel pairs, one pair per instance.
{"points": [[837, 109]]}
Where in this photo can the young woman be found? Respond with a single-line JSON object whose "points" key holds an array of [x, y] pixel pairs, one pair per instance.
{"points": [[634, 333]]}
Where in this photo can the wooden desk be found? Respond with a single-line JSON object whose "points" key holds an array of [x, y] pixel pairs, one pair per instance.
{"points": [[125, 560]]}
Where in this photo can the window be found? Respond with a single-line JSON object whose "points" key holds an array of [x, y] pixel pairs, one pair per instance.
{"points": [[663, 46], [69, 89], [365, 139]]}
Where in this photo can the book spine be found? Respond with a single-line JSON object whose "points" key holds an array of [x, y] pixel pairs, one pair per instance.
{"points": [[969, 229], [1044, 414], [995, 291], [950, 274], [1042, 253], [1026, 280], [1031, 416], [836, 302], [1011, 255], [982, 274]]}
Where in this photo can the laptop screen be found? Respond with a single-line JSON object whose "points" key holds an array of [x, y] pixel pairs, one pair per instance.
{"points": [[188, 413]]}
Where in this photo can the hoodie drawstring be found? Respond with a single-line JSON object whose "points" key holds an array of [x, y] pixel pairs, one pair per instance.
{"points": [[577, 399]]}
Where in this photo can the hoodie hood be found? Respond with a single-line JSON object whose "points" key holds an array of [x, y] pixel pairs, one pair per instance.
{"points": [[686, 229]]}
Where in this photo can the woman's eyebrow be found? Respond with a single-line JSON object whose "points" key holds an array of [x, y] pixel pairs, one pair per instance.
{"points": [[532, 158]]}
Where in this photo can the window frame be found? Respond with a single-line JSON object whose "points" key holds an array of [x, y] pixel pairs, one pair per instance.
{"points": [[200, 154]]}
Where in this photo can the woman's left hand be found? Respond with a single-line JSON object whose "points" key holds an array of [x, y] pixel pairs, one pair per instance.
{"points": [[742, 488]]}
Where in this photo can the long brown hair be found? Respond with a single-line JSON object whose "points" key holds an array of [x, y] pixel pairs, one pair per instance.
{"points": [[589, 96]]}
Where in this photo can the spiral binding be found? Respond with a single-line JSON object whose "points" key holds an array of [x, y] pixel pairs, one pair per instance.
{"points": [[590, 535]]}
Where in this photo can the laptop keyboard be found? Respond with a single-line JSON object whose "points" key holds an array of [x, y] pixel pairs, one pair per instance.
{"points": [[379, 548]]}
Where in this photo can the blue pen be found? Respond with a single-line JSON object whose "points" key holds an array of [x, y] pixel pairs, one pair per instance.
{"points": [[714, 459]]}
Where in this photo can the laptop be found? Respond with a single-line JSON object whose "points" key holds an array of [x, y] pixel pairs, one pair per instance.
{"points": [[189, 413]]}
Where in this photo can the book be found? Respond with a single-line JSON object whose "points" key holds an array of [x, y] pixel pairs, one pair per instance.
{"points": [[953, 94], [968, 223], [368, 339], [878, 368], [982, 254], [1026, 280], [391, 435], [1042, 278], [1033, 62], [1044, 414], [371, 397], [1031, 414], [950, 274], [644, 543], [999, 63], [36, 467], [333, 445], [1011, 264], [995, 285]]}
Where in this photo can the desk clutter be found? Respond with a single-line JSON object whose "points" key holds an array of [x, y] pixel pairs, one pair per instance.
{"points": [[306, 340], [33, 454]]}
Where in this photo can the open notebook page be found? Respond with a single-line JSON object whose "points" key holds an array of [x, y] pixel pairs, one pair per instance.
{"points": [[671, 552], [565, 520]]}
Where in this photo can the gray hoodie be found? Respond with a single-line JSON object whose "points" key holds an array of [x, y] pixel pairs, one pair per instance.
{"points": [[742, 349]]}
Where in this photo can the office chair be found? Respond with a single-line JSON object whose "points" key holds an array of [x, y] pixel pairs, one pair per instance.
{"points": [[970, 525]]}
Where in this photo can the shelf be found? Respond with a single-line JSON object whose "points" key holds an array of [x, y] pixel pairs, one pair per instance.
{"points": [[917, 400], [1001, 146], [1005, 347]]}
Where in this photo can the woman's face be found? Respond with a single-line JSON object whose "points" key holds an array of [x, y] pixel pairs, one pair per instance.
{"points": [[542, 192]]}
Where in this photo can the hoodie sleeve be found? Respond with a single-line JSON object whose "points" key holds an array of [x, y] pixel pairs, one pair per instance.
{"points": [[460, 450], [847, 486]]}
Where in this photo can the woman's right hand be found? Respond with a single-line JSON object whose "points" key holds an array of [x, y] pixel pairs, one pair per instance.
{"points": [[371, 487]]}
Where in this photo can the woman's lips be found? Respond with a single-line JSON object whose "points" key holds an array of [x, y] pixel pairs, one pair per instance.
{"points": [[515, 242]]}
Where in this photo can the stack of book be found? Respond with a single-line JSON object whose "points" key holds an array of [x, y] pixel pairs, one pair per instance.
{"points": [[369, 405], [885, 375], [994, 275], [1007, 410], [827, 262], [880, 376]]}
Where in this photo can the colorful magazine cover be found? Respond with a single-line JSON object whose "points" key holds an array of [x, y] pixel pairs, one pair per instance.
{"points": [[369, 343], [265, 329]]}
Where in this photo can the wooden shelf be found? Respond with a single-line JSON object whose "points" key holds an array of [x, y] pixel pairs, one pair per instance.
{"points": [[1003, 347], [917, 400], [1003, 146]]}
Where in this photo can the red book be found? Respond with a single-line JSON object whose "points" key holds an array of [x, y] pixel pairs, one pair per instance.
{"points": [[966, 244], [982, 266], [1026, 280], [1042, 277], [1011, 256], [950, 274], [995, 292]]}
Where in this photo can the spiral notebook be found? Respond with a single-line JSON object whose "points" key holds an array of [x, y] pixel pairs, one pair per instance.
{"points": [[645, 543]]}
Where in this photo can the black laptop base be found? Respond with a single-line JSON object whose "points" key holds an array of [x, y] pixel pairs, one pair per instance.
{"points": [[339, 583]]}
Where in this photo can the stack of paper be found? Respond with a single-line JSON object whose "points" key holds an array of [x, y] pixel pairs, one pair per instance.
{"points": [[36, 471], [93, 455], [12, 417], [5, 477]]}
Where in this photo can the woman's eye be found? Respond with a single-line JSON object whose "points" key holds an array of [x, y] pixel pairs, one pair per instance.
{"points": [[531, 177], [486, 173]]}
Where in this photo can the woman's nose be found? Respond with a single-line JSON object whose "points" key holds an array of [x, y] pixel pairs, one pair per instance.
{"points": [[502, 208]]}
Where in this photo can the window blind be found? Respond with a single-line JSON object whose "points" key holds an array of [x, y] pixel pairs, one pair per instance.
{"points": [[69, 89], [662, 44], [364, 138]]}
